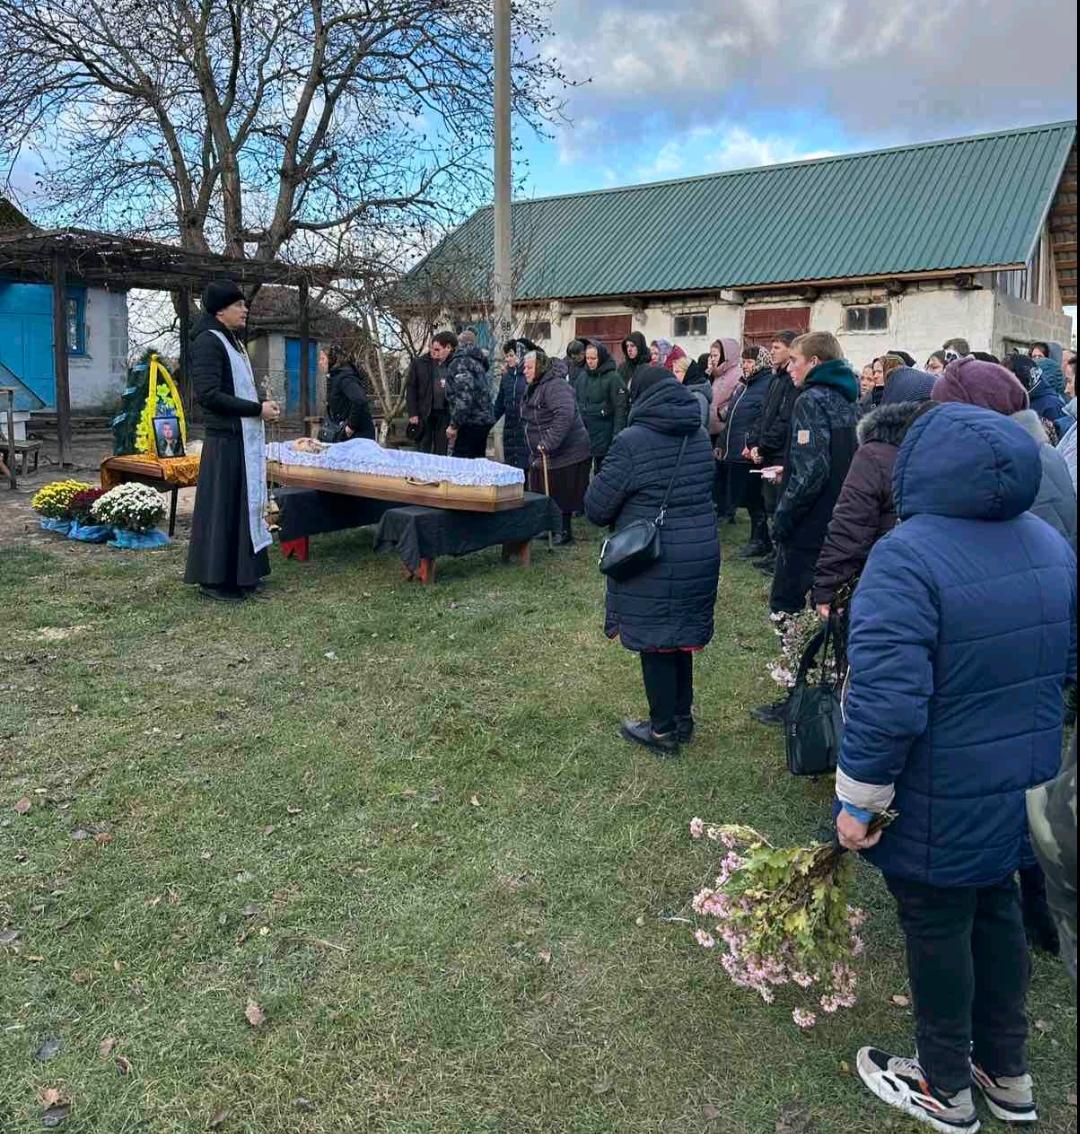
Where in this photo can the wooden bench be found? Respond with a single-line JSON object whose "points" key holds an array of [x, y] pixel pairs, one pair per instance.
{"points": [[23, 451]]}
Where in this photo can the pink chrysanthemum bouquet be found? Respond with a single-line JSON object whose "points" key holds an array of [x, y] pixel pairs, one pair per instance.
{"points": [[782, 918]]}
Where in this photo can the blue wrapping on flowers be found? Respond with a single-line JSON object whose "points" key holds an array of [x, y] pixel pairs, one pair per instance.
{"points": [[61, 527], [90, 533], [126, 540]]}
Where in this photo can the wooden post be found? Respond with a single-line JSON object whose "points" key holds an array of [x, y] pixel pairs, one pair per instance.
{"points": [[9, 392], [187, 389], [305, 348], [60, 358]]}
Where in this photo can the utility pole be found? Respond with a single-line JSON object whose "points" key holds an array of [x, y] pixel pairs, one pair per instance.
{"points": [[503, 283]]}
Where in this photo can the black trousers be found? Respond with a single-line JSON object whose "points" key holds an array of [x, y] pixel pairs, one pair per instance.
{"points": [[770, 495], [471, 441], [720, 489], [792, 578], [433, 439], [969, 969], [669, 686], [744, 491]]}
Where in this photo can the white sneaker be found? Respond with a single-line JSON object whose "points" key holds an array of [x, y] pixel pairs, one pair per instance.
{"points": [[901, 1084], [1009, 1099]]}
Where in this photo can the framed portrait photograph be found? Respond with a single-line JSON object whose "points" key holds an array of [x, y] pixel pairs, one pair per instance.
{"points": [[168, 438]]}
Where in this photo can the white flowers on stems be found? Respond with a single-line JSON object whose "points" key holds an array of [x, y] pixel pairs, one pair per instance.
{"points": [[135, 507]]}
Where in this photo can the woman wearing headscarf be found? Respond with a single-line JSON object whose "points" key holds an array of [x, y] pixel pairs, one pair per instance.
{"points": [[556, 438], [635, 355], [512, 388], [936, 363], [601, 400], [742, 415], [664, 613]]}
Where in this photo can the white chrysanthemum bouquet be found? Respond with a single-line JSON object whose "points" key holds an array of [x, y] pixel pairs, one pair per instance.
{"points": [[782, 918], [134, 507]]}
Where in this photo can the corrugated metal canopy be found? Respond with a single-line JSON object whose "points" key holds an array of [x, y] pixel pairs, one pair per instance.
{"points": [[965, 203]]}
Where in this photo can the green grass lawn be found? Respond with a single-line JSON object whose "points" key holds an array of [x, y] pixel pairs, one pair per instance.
{"points": [[400, 821]]}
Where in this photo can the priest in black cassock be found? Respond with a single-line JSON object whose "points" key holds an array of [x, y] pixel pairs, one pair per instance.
{"points": [[229, 536]]}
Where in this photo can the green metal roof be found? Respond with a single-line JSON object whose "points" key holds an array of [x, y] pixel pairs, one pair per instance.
{"points": [[963, 203]]}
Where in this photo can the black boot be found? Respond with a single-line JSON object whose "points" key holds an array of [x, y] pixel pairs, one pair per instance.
{"points": [[685, 728], [567, 534], [665, 745]]}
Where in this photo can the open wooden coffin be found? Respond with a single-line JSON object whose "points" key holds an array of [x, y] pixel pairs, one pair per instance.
{"points": [[403, 490]]}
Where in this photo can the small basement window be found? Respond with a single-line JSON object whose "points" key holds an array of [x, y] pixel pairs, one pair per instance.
{"points": [[869, 318], [692, 326]]}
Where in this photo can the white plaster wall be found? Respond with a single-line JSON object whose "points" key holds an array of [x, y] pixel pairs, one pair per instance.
{"points": [[655, 320], [1020, 323], [98, 377], [919, 321]]}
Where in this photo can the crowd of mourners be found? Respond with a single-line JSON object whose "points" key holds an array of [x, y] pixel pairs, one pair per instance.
{"points": [[928, 510]]}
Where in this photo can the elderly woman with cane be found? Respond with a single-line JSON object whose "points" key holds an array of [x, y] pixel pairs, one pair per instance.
{"points": [[659, 470], [558, 443]]}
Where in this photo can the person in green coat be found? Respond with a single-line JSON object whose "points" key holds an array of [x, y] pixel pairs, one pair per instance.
{"points": [[602, 400]]}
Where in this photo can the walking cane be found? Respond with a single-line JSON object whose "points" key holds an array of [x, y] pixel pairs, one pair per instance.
{"points": [[547, 493]]}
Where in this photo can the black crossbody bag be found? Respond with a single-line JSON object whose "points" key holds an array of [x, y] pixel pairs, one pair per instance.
{"points": [[632, 549]]}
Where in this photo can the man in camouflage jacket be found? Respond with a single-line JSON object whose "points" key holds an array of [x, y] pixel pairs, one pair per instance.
{"points": [[1052, 817], [469, 401], [820, 449]]}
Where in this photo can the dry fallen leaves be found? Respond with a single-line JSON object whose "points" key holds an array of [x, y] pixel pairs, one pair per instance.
{"points": [[475, 801], [710, 1112], [106, 1047], [50, 1096], [254, 1014], [218, 1120], [901, 1001], [545, 956], [103, 838], [123, 1065], [23, 806], [793, 1119]]}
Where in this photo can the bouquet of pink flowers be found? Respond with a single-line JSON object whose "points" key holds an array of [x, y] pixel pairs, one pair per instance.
{"points": [[782, 918]]}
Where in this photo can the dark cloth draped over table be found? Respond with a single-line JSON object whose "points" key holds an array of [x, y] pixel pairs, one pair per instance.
{"points": [[417, 533], [305, 512]]}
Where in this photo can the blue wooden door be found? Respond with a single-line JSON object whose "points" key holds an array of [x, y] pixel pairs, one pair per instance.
{"points": [[26, 352], [292, 375]]}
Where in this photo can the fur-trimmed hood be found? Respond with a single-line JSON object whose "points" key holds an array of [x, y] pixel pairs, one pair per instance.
{"points": [[889, 423]]}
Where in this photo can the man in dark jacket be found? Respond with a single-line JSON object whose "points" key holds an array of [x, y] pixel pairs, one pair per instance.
{"points": [[425, 393], [665, 612], [768, 442], [601, 400], [963, 636], [820, 448], [469, 402], [227, 553]]}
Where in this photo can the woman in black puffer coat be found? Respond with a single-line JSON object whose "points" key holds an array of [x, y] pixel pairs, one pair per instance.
{"points": [[666, 612]]}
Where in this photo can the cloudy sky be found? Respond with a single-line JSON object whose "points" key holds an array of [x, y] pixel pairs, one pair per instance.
{"points": [[674, 88]]}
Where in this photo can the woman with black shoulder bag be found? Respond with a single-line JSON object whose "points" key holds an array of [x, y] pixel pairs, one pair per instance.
{"points": [[662, 560]]}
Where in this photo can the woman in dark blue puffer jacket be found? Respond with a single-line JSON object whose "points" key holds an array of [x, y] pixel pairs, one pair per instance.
{"points": [[666, 612], [963, 636]]}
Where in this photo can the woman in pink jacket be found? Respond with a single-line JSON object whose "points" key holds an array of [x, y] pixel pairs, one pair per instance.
{"points": [[725, 373]]}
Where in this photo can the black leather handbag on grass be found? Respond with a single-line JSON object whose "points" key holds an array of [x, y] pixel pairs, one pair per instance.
{"points": [[815, 714], [632, 549]]}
